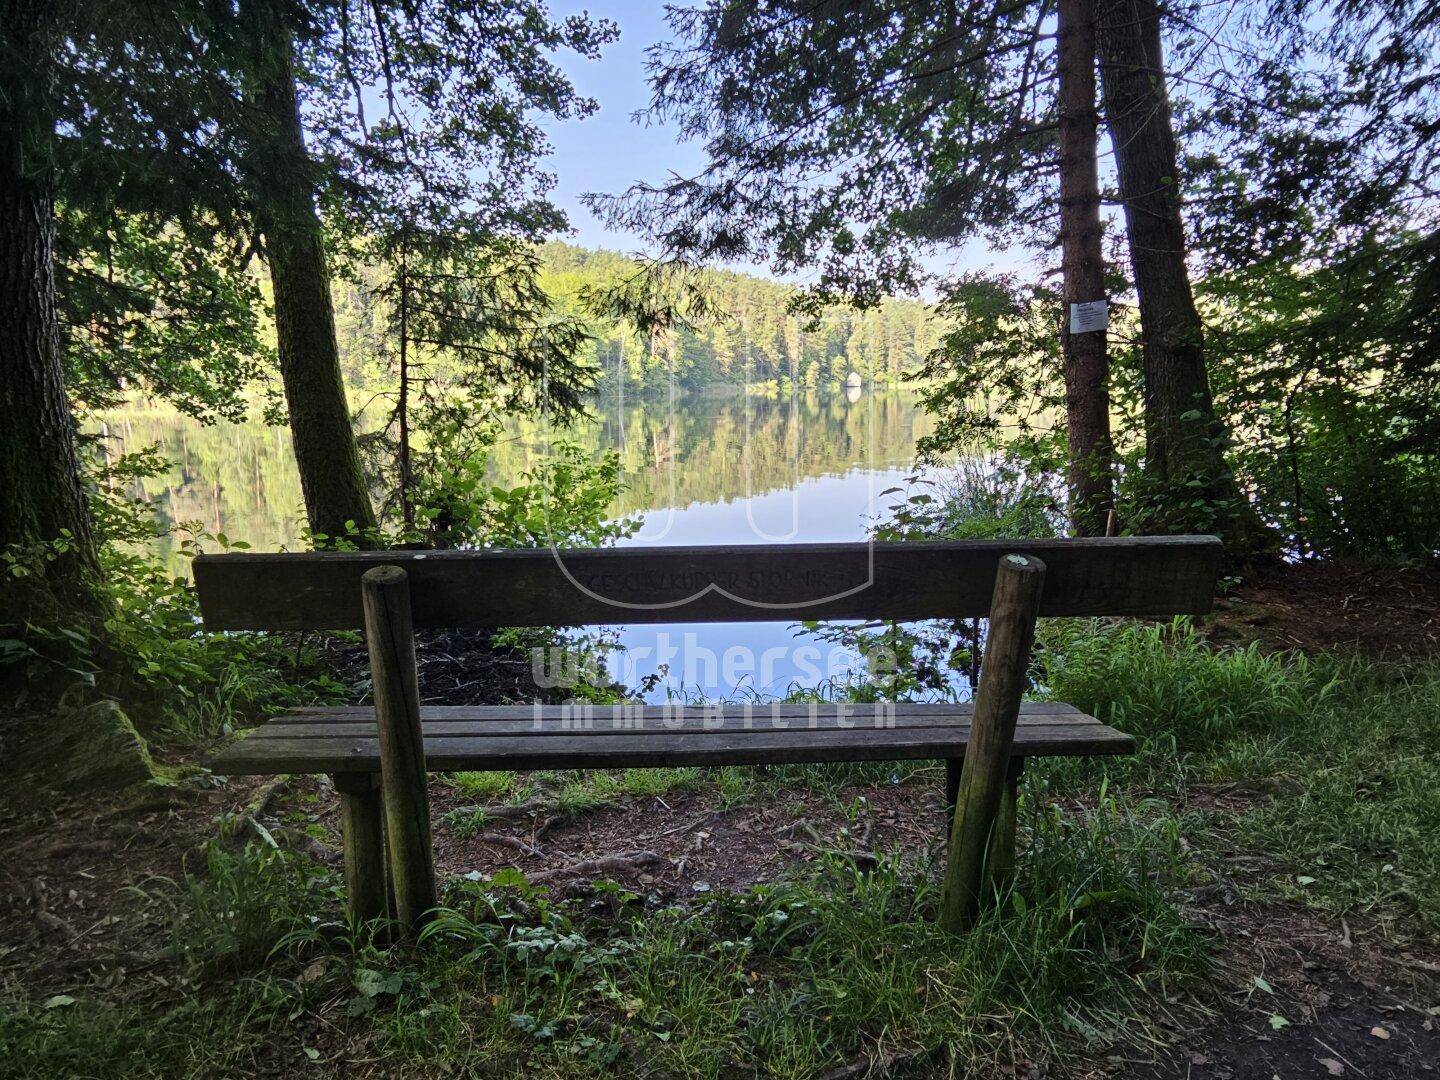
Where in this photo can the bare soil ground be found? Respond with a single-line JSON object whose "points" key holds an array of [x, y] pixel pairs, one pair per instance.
{"points": [[1388, 612]]}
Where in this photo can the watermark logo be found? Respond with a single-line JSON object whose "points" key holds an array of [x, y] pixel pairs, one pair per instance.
{"points": [[759, 579], [685, 661], [746, 716]]}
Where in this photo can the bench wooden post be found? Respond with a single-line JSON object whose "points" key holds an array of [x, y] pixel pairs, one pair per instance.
{"points": [[977, 824], [363, 834], [390, 637], [954, 769], [1000, 856]]}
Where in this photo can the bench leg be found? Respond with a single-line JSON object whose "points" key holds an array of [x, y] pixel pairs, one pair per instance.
{"points": [[364, 838], [953, 768], [985, 777], [389, 635], [1000, 859]]}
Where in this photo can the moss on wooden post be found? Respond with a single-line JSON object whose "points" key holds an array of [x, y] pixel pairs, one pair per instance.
{"points": [[983, 783], [391, 640]]}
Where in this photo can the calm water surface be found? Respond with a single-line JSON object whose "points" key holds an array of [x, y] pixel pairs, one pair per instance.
{"points": [[703, 469]]}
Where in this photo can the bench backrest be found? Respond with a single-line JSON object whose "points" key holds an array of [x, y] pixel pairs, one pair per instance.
{"points": [[1141, 576]]}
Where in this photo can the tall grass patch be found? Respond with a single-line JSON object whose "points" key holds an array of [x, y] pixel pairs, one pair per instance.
{"points": [[1332, 762]]}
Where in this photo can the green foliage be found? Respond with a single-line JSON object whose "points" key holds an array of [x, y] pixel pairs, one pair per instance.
{"points": [[483, 785], [178, 681], [1332, 761], [994, 377], [1354, 820], [247, 905], [989, 497], [1330, 373], [181, 681], [781, 980], [1167, 684], [158, 306], [969, 498], [563, 502], [785, 979]]}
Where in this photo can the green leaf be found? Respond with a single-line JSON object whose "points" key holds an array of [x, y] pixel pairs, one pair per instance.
{"points": [[58, 1001], [372, 983]]}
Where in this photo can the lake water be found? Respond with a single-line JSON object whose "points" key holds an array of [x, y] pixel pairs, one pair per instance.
{"points": [[701, 469]]}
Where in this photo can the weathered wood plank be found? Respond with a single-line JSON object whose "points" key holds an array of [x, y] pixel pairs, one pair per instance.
{"points": [[819, 727], [334, 714], [581, 751], [1141, 576]]}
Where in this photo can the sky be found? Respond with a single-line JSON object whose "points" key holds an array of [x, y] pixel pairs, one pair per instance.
{"points": [[609, 151]]}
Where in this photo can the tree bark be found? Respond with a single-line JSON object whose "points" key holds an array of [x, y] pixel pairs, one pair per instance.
{"points": [[42, 498], [1194, 490], [1087, 365], [337, 502]]}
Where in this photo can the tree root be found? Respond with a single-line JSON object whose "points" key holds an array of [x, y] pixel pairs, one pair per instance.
{"points": [[513, 843], [508, 811], [881, 1063], [629, 862]]}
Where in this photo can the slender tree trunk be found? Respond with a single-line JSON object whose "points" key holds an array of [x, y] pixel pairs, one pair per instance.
{"points": [[282, 183], [402, 407], [1087, 365], [41, 495], [1184, 438]]}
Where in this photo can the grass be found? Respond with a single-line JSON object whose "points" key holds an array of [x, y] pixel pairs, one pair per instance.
{"points": [[1320, 772], [1338, 758], [781, 980], [489, 786]]}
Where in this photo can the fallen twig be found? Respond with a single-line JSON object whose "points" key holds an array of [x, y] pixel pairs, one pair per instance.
{"points": [[265, 796], [44, 916]]}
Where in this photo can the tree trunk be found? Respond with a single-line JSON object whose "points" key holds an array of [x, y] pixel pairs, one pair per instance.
{"points": [[1193, 488], [43, 507], [337, 502], [1087, 366], [42, 498]]}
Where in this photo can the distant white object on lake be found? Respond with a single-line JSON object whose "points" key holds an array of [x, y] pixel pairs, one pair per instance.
{"points": [[854, 381]]}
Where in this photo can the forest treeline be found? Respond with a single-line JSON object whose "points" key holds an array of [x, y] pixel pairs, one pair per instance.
{"points": [[751, 335]]}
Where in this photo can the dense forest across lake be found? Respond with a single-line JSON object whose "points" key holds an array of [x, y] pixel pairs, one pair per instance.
{"points": [[751, 334]]}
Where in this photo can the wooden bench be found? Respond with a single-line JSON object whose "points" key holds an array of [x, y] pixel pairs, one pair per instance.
{"points": [[379, 756]]}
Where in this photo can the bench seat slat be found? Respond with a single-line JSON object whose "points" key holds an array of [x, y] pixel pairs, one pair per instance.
{"points": [[333, 714], [347, 745]]}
